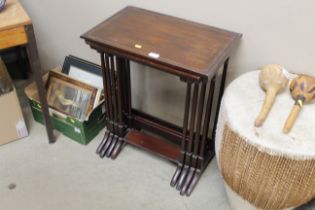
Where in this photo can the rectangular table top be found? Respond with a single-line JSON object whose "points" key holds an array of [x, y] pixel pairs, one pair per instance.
{"points": [[13, 15], [185, 45]]}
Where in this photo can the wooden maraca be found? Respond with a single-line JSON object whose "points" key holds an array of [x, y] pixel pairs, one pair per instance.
{"points": [[273, 80], [302, 90]]}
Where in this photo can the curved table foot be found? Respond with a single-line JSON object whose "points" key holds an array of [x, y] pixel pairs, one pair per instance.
{"points": [[176, 175], [106, 146], [112, 146], [182, 178], [187, 182], [119, 146], [103, 142], [193, 183]]}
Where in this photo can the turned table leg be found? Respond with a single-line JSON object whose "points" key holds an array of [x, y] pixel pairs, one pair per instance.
{"points": [[113, 79], [181, 161], [110, 62], [32, 52], [117, 142], [111, 93], [124, 102], [202, 162], [199, 165], [108, 100], [194, 156], [187, 143], [192, 161]]}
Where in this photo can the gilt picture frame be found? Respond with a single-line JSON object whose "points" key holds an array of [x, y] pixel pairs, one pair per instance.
{"points": [[70, 96]]}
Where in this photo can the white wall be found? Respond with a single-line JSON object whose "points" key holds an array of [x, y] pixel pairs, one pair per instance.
{"points": [[281, 31]]}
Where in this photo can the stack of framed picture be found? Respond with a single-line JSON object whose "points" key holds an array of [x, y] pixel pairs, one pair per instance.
{"points": [[71, 96], [75, 97], [77, 89]]}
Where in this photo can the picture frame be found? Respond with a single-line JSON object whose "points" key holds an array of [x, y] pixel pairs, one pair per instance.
{"points": [[70, 96], [83, 70]]}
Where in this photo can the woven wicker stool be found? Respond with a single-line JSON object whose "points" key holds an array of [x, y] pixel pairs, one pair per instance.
{"points": [[262, 167]]}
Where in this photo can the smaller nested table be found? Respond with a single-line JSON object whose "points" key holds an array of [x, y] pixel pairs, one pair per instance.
{"points": [[262, 167], [16, 29], [191, 51]]}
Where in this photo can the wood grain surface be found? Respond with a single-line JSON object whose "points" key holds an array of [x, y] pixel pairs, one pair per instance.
{"points": [[13, 15], [189, 46], [154, 144], [12, 37]]}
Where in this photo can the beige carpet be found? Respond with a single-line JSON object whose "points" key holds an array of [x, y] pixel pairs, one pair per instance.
{"points": [[67, 175], [35, 175]]}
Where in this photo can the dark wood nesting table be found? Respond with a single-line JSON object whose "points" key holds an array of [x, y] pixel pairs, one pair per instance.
{"points": [[193, 52]]}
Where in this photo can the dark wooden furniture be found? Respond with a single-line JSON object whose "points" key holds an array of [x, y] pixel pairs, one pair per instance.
{"points": [[16, 29], [191, 51]]}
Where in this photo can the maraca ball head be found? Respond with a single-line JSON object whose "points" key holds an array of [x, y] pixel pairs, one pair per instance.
{"points": [[303, 87]]}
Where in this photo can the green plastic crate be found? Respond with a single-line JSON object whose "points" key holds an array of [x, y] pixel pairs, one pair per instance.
{"points": [[82, 132]]}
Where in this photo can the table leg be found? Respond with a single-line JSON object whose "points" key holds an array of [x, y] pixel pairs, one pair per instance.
{"points": [[201, 163], [193, 160], [33, 57], [201, 155], [128, 91], [110, 70], [123, 73], [108, 134], [112, 76], [183, 142], [122, 77], [121, 127], [189, 150]]}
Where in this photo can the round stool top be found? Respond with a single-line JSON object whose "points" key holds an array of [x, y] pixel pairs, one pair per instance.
{"points": [[241, 104]]}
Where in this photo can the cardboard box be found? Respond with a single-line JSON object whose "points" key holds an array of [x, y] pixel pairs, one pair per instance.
{"points": [[80, 131], [12, 124]]}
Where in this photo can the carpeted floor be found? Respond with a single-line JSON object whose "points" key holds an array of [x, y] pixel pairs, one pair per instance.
{"points": [[67, 175], [35, 175]]}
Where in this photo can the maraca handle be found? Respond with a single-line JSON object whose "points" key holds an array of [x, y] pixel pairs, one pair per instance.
{"points": [[269, 100], [292, 118]]}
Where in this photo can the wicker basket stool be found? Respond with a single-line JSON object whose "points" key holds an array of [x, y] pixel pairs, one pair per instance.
{"points": [[263, 168]]}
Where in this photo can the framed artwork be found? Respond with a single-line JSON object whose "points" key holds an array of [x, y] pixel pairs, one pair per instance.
{"points": [[83, 70], [70, 96]]}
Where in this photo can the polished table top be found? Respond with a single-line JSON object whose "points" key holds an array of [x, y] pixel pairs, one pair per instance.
{"points": [[156, 38]]}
